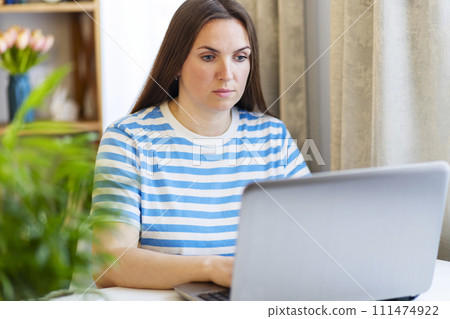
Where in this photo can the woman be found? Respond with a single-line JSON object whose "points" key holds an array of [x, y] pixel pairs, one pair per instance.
{"points": [[174, 169]]}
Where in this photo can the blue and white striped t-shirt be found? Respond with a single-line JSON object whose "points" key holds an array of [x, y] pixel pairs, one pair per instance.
{"points": [[183, 190]]}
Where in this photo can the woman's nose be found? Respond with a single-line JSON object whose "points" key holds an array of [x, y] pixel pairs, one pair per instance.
{"points": [[224, 72]]}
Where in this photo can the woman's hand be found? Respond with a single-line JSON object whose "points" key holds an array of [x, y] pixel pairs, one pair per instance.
{"points": [[141, 268], [220, 270]]}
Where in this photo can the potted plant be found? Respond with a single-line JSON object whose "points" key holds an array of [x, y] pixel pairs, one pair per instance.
{"points": [[20, 50], [45, 197]]}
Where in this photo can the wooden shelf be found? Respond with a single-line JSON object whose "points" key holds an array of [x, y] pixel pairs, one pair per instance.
{"points": [[79, 6], [74, 128], [82, 36]]}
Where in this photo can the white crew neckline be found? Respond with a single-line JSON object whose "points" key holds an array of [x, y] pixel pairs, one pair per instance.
{"points": [[182, 131]]}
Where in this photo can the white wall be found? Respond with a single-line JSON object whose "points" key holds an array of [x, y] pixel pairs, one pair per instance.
{"points": [[318, 77], [131, 33]]}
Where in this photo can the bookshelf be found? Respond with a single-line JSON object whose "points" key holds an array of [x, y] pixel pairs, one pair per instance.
{"points": [[83, 40]]}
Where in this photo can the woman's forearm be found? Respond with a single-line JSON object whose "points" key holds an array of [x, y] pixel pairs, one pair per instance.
{"points": [[140, 268]]}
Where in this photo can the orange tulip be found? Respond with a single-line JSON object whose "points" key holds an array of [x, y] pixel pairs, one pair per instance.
{"points": [[23, 39], [10, 36], [21, 49], [3, 44], [37, 40], [49, 40]]}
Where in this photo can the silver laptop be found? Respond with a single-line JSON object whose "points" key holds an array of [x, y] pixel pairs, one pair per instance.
{"points": [[365, 234]]}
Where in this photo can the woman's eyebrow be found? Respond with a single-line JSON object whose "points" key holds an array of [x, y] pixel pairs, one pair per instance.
{"points": [[217, 51]]}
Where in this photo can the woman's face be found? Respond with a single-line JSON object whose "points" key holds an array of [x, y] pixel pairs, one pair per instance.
{"points": [[215, 73]]}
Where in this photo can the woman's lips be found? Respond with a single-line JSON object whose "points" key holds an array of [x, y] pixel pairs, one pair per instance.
{"points": [[223, 93]]}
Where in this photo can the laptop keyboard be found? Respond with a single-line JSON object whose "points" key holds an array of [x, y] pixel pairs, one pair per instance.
{"points": [[216, 296]]}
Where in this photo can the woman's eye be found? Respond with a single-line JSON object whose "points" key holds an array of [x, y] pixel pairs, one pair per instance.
{"points": [[208, 57], [241, 58]]}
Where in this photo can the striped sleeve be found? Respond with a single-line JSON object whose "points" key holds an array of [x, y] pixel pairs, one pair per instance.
{"points": [[117, 190], [295, 163]]}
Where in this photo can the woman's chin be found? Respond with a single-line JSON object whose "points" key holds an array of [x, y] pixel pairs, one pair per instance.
{"points": [[223, 104]]}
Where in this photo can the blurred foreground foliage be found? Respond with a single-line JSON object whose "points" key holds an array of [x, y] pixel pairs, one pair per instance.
{"points": [[45, 198]]}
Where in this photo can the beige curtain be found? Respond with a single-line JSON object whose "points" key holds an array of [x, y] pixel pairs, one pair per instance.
{"points": [[281, 33], [390, 85]]}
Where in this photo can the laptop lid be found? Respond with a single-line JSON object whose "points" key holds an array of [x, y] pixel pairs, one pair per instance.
{"points": [[366, 234]]}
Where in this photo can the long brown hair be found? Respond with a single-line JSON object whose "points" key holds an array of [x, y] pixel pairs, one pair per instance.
{"points": [[184, 27]]}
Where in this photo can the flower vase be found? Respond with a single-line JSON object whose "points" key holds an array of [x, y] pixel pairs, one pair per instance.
{"points": [[18, 89]]}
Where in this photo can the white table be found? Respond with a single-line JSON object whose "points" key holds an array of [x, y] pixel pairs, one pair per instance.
{"points": [[440, 288], [439, 291]]}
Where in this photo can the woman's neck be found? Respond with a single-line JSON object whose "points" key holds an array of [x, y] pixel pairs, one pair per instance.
{"points": [[212, 123]]}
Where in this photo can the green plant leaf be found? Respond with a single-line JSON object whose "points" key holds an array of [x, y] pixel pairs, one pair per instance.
{"points": [[6, 286], [37, 95], [24, 58], [34, 99], [45, 190], [8, 61], [36, 59]]}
